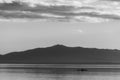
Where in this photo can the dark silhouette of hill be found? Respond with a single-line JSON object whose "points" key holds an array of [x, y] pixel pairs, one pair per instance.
{"points": [[60, 54]]}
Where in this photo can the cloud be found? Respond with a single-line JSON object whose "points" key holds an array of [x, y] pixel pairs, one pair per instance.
{"points": [[65, 10], [113, 0], [45, 2]]}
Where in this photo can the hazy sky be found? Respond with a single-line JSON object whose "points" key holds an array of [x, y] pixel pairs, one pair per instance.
{"points": [[59, 27], [17, 36]]}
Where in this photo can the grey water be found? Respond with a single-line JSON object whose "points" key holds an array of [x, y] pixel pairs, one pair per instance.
{"points": [[58, 72]]}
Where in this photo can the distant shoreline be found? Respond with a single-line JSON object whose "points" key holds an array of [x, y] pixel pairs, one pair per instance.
{"points": [[105, 66]]}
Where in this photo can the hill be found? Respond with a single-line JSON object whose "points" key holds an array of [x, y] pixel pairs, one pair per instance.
{"points": [[60, 54]]}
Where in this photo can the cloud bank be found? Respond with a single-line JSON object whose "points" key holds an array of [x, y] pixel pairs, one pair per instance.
{"points": [[60, 10]]}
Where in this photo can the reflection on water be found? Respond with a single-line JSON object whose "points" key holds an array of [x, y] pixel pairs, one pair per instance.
{"points": [[10, 73]]}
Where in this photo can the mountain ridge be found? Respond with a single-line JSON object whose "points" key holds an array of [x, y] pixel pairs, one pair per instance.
{"points": [[60, 54]]}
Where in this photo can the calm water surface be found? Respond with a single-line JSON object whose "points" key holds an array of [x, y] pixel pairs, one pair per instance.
{"points": [[20, 72]]}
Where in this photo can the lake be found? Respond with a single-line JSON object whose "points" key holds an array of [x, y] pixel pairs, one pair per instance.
{"points": [[58, 72]]}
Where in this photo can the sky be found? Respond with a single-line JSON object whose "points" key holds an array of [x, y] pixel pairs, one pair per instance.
{"points": [[20, 36], [28, 24]]}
